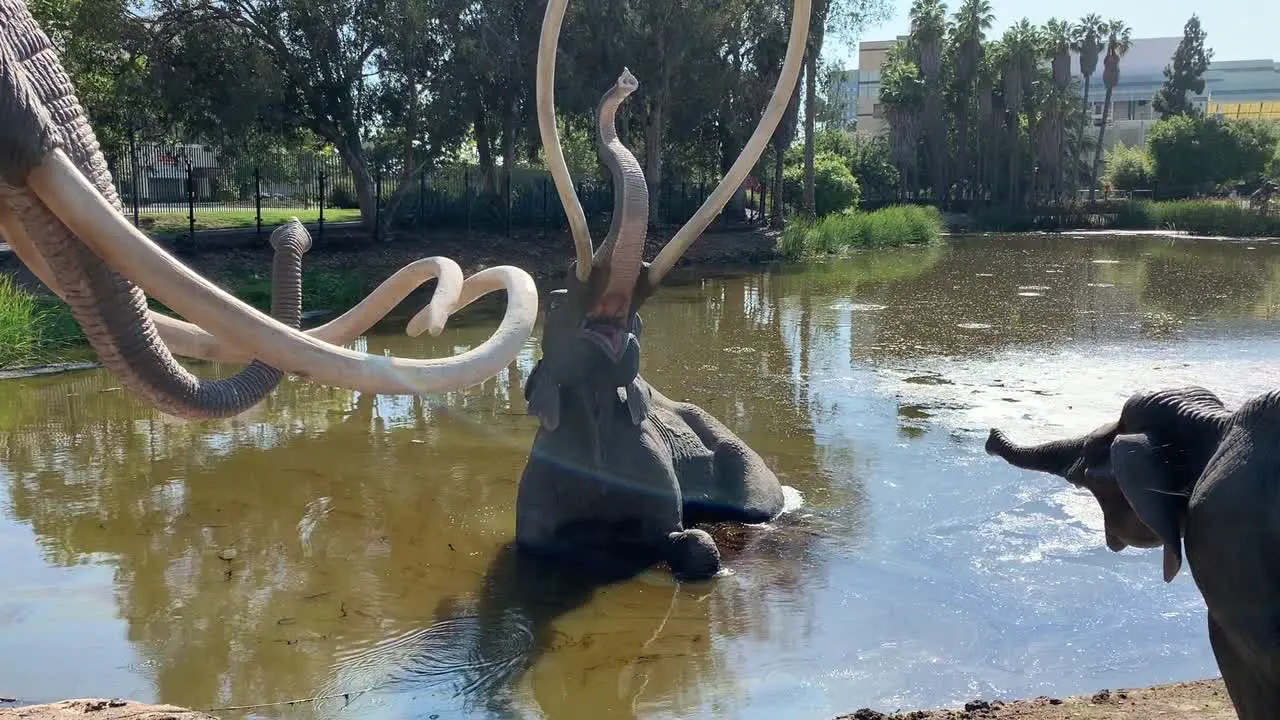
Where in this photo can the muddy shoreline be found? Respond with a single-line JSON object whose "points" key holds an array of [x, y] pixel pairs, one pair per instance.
{"points": [[1195, 700]]}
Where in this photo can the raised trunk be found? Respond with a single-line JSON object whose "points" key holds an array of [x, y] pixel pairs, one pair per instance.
{"points": [[1055, 457], [623, 248]]}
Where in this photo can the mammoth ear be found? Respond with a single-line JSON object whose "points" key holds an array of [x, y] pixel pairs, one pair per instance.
{"points": [[1152, 491], [542, 395]]}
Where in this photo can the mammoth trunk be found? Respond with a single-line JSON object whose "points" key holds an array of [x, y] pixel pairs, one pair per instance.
{"points": [[1055, 457], [623, 247]]}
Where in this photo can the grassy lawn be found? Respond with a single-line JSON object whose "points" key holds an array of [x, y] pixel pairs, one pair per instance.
{"points": [[172, 223]]}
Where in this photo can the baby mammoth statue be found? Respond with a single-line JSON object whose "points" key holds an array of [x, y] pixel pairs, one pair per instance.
{"points": [[1179, 470]]}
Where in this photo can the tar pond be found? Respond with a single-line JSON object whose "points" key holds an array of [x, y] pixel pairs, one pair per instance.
{"points": [[354, 547]]}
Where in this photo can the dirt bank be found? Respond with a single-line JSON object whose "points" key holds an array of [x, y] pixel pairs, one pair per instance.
{"points": [[1200, 700]]}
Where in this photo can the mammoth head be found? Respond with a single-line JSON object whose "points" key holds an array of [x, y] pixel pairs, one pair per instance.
{"points": [[1140, 468]]}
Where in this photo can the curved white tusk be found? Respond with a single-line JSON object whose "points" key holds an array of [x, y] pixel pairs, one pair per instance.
{"points": [[84, 211], [500, 277], [544, 91], [712, 206]]}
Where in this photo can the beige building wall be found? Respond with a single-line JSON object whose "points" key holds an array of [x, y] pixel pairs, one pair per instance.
{"points": [[870, 57]]}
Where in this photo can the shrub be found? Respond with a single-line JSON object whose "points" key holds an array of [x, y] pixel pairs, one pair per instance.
{"points": [[889, 227], [1128, 168], [834, 187]]}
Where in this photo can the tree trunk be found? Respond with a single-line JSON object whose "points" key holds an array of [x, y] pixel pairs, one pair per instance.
{"points": [[1084, 129], [655, 123], [810, 103], [508, 141], [484, 148], [1097, 151], [352, 154]]}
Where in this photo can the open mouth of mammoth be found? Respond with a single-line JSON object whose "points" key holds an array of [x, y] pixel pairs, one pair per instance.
{"points": [[607, 334]]}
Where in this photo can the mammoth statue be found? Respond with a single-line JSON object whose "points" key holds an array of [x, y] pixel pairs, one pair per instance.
{"points": [[618, 472], [1180, 471], [61, 216]]}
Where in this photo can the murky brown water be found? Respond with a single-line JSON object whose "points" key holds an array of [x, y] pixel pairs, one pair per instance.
{"points": [[366, 536]]}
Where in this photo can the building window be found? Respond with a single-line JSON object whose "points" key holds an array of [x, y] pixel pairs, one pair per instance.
{"points": [[877, 111]]}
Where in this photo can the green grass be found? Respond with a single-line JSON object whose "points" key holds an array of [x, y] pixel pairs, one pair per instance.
{"points": [[34, 329], [1199, 217], [321, 289], [222, 219], [888, 227]]}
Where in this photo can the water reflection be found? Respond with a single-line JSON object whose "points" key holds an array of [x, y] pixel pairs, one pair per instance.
{"points": [[260, 558], [333, 543]]}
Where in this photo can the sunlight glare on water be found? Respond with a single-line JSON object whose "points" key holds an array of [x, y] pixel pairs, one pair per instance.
{"points": [[355, 547]]}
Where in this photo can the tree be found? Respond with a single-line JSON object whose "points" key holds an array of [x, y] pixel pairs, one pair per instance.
{"points": [[929, 30], [1185, 75], [968, 31], [846, 18], [1118, 43], [319, 51], [1087, 39], [1128, 168], [1192, 154], [1021, 49], [101, 44]]}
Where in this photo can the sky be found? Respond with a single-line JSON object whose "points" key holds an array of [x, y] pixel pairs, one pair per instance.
{"points": [[1237, 29]]}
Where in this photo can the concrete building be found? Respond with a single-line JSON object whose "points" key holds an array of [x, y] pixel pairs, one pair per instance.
{"points": [[842, 96], [1233, 88]]}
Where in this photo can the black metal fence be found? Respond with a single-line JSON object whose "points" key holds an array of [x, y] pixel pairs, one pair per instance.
{"points": [[187, 189]]}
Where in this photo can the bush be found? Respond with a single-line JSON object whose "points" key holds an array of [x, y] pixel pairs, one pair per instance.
{"points": [[1196, 155], [1128, 168], [888, 227], [834, 187], [1200, 217]]}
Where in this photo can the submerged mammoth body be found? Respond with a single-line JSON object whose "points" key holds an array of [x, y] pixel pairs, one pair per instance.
{"points": [[617, 471], [1180, 471], [60, 214]]}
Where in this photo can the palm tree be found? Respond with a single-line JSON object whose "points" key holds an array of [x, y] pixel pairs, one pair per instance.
{"points": [[1118, 43], [1086, 39], [928, 29], [1056, 39], [1021, 44], [971, 22], [902, 94]]}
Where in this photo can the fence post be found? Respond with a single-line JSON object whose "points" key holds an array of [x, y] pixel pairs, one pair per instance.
{"points": [[191, 205], [377, 203], [133, 172], [257, 198], [320, 224]]}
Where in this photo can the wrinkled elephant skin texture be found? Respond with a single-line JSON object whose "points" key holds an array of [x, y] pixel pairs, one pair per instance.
{"points": [[618, 471], [1180, 471]]}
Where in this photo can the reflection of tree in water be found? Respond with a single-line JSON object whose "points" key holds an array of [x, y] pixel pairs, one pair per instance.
{"points": [[1203, 279], [356, 519]]}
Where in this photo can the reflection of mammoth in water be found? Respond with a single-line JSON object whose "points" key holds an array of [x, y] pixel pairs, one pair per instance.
{"points": [[539, 618]]}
